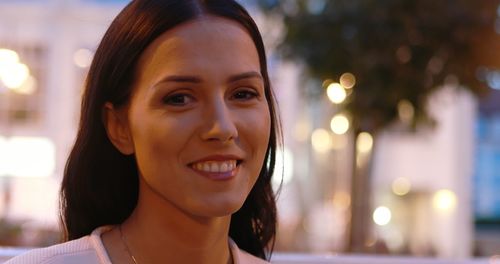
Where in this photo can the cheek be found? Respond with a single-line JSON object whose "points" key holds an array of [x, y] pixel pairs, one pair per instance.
{"points": [[257, 130], [157, 139], [260, 132]]}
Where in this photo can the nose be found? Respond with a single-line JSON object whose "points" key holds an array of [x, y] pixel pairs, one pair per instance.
{"points": [[219, 124]]}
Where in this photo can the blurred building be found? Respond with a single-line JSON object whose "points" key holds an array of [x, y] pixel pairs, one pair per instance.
{"points": [[487, 174], [425, 180], [45, 49]]}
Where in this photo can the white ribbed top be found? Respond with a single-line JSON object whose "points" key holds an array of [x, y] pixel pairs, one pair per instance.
{"points": [[90, 250]]}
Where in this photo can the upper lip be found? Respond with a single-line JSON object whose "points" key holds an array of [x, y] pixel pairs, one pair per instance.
{"points": [[219, 157]]}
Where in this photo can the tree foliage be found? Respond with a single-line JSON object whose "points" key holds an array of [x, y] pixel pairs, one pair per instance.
{"points": [[397, 49]]}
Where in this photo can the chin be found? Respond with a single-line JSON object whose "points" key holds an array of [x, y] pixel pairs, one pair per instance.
{"points": [[221, 208]]}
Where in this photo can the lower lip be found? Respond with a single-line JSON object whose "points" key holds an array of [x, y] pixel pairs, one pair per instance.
{"points": [[219, 176]]}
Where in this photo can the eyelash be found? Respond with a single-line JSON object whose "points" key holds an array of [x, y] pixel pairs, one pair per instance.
{"points": [[168, 99], [247, 94]]}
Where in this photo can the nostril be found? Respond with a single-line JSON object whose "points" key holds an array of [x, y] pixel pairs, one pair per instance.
{"points": [[221, 139], [221, 135]]}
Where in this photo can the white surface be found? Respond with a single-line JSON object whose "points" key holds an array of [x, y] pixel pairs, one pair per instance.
{"points": [[371, 259], [6, 253]]}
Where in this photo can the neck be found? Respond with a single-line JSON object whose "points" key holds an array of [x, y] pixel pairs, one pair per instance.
{"points": [[158, 231]]}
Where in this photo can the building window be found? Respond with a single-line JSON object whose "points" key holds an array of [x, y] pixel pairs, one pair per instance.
{"points": [[22, 80], [487, 177]]}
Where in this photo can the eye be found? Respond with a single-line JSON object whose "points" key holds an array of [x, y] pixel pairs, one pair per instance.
{"points": [[178, 99], [245, 95]]}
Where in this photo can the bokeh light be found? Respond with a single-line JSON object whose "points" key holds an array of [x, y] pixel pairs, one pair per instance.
{"points": [[493, 79], [401, 186], [8, 56], [406, 111], [364, 142], [435, 65], [403, 54], [38, 152], [382, 216], [14, 75], [444, 200], [316, 6], [321, 140], [336, 93], [326, 82], [28, 87], [347, 80], [341, 200], [339, 124], [83, 58]]}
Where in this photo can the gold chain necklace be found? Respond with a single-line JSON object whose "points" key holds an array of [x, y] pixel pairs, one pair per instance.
{"points": [[126, 246], [122, 237]]}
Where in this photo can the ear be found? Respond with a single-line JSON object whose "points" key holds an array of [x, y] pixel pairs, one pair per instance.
{"points": [[116, 124]]}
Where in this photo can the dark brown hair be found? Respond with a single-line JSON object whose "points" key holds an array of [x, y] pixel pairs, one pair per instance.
{"points": [[100, 185]]}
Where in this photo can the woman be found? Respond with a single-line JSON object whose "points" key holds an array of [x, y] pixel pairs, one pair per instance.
{"points": [[177, 142]]}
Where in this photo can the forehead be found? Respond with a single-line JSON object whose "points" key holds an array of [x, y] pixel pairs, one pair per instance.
{"points": [[203, 44]]}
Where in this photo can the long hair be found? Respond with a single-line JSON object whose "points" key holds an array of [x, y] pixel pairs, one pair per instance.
{"points": [[100, 185]]}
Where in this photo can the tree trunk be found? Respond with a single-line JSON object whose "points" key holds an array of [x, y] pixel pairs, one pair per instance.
{"points": [[361, 195]]}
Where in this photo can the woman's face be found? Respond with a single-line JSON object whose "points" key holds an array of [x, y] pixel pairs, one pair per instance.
{"points": [[198, 118]]}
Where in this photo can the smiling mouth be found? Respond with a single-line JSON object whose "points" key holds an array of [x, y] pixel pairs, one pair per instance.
{"points": [[216, 166], [217, 170]]}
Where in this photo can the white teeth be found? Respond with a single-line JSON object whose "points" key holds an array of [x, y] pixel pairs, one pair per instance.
{"points": [[215, 166], [206, 167]]}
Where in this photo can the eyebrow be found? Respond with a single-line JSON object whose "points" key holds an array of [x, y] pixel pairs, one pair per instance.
{"points": [[196, 79], [245, 75]]}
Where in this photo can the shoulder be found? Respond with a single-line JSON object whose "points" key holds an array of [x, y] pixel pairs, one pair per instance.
{"points": [[75, 249], [242, 257], [84, 250], [246, 258]]}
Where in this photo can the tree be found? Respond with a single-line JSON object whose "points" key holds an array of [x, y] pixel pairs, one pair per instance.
{"points": [[400, 53]]}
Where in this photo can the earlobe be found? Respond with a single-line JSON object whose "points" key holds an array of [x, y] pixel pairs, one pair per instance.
{"points": [[117, 129]]}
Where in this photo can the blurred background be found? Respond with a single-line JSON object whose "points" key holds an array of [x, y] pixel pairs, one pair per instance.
{"points": [[390, 112]]}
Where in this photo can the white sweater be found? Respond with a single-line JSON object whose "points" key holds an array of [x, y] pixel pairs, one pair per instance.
{"points": [[90, 250]]}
